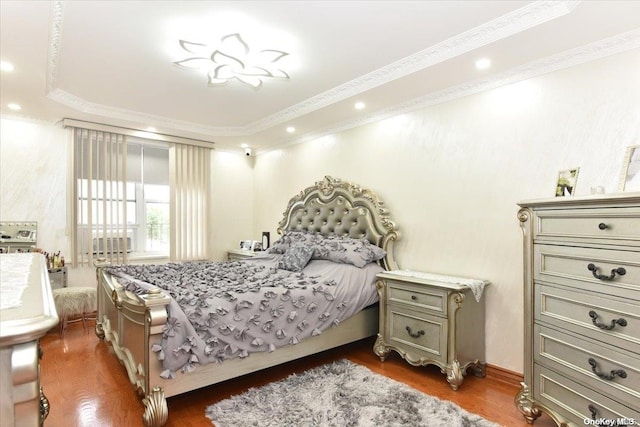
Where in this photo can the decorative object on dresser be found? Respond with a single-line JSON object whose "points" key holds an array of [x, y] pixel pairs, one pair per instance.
{"points": [[432, 319], [581, 315], [133, 314], [630, 176], [567, 180], [341, 393], [27, 314]]}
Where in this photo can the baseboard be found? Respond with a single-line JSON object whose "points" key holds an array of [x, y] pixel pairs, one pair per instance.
{"points": [[504, 375]]}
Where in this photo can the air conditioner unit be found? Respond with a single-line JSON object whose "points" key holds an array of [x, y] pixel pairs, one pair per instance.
{"points": [[113, 242]]}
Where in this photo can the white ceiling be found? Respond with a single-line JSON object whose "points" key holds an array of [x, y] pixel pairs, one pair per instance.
{"points": [[113, 61]]}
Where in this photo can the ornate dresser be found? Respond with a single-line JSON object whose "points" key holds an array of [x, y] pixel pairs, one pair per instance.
{"points": [[582, 310], [27, 313]]}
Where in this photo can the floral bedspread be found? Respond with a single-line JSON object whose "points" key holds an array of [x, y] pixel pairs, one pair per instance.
{"points": [[225, 310]]}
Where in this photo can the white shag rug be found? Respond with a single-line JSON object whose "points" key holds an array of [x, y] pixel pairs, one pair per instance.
{"points": [[339, 394]]}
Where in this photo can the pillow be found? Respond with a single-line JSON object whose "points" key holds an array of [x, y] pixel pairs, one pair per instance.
{"points": [[296, 257], [288, 239], [347, 250]]}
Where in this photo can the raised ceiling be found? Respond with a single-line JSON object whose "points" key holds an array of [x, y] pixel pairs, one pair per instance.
{"points": [[113, 62]]}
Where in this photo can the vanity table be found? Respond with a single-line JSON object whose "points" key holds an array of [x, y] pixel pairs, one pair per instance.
{"points": [[26, 314]]}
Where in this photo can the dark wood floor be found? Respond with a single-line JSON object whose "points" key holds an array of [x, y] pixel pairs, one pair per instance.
{"points": [[87, 386]]}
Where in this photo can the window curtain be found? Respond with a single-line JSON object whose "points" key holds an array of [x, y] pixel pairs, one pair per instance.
{"points": [[189, 201], [99, 220]]}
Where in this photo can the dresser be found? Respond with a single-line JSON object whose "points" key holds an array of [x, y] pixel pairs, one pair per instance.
{"points": [[582, 309], [431, 319], [27, 313]]}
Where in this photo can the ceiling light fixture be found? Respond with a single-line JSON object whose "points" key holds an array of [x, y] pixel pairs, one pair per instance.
{"points": [[232, 59], [359, 105], [14, 106], [6, 66], [291, 129], [483, 63]]}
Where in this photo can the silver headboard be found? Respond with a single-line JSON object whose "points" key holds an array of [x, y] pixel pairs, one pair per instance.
{"points": [[333, 206]]}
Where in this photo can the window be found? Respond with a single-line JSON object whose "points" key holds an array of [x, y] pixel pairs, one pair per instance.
{"points": [[131, 217], [129, 202]]}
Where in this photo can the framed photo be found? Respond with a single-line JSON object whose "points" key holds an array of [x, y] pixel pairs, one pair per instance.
{"points": [[245, 244], [256, 246], [630, 176], [566, 185]]}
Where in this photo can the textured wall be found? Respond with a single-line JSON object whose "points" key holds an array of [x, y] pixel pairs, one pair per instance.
{"points": [[452, 174]]}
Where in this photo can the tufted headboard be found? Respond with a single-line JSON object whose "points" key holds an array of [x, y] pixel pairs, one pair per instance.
{"points": [[333, 206]]}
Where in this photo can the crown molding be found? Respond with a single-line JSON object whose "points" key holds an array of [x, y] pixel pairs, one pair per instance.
{"points": [[617, 44], [504, 26]]}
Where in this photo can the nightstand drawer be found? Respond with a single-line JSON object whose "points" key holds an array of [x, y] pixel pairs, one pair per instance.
{"points": [[421, 298], [601, 224], [418, 333], [607, 320], [614, 372], [574, 401], [599, 270]]}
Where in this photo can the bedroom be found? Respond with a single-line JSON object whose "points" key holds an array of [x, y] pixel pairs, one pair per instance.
{"points": [[452, 172]]}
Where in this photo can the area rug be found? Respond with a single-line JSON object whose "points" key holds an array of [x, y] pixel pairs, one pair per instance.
{"points": [[339, 394]]}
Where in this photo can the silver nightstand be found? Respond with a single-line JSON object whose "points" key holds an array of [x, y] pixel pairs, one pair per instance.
{"points": [[240, 254], [431, 319]]}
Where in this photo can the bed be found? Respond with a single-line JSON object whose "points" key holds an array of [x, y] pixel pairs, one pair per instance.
{"points": [[137, 314]]}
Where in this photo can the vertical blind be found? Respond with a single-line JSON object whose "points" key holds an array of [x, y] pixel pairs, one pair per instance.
{"points": [[99, 228], [99, 194], [189, 206]]}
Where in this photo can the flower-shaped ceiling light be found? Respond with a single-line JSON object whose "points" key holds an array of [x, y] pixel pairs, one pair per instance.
{"points": [[233, 59]]}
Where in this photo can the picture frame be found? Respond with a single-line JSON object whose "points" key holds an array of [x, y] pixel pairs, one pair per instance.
{"points": [[245, 245], [630, 174], [566, 184]]}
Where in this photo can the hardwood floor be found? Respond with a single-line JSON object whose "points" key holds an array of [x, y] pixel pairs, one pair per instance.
{"points": [[87, 387]]}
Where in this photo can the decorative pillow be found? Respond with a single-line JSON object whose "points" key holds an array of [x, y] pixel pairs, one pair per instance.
{"points": [[347, 250], [296, 257], [288, 239]]}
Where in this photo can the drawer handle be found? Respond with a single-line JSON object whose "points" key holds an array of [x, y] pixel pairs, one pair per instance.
{"points": [[594, 270], [603, 226], [594, 318], [594, 411], [611, 375], [413, 297], [414, 334]]}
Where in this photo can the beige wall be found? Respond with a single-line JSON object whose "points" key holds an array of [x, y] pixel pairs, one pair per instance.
{"points": [[451, 174]]}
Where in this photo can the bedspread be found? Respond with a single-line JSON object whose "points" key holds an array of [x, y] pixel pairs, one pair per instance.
{"points": [[224, 310]]}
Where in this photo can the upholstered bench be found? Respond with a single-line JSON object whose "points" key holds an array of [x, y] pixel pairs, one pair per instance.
{"points": [[74, 304]]}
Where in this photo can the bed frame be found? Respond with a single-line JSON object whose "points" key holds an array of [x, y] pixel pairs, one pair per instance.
{"points": [[133, 323]]}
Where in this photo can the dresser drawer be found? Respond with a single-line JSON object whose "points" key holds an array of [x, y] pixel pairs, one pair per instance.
{"points": [[574, 266], [574, 401], [418, 333], [430, 300], [597, 224], [611, 371], [581, 312]]}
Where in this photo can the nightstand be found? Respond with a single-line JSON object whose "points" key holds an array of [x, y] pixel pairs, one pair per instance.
{"points": [[432, 319], [239, 254], [58, 277]]}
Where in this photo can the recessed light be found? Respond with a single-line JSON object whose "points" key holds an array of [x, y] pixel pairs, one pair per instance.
{"points": [[14, 107], [483, 63], [291, 129], [359, 105], [152, 129], [6, 66]]}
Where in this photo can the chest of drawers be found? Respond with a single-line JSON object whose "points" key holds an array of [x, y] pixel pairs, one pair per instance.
{"points": [[430, 319], [582, 310]]}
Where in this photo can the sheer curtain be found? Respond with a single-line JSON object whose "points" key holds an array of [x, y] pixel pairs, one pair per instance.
{"points": [[100, 194], [189, 201]]}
